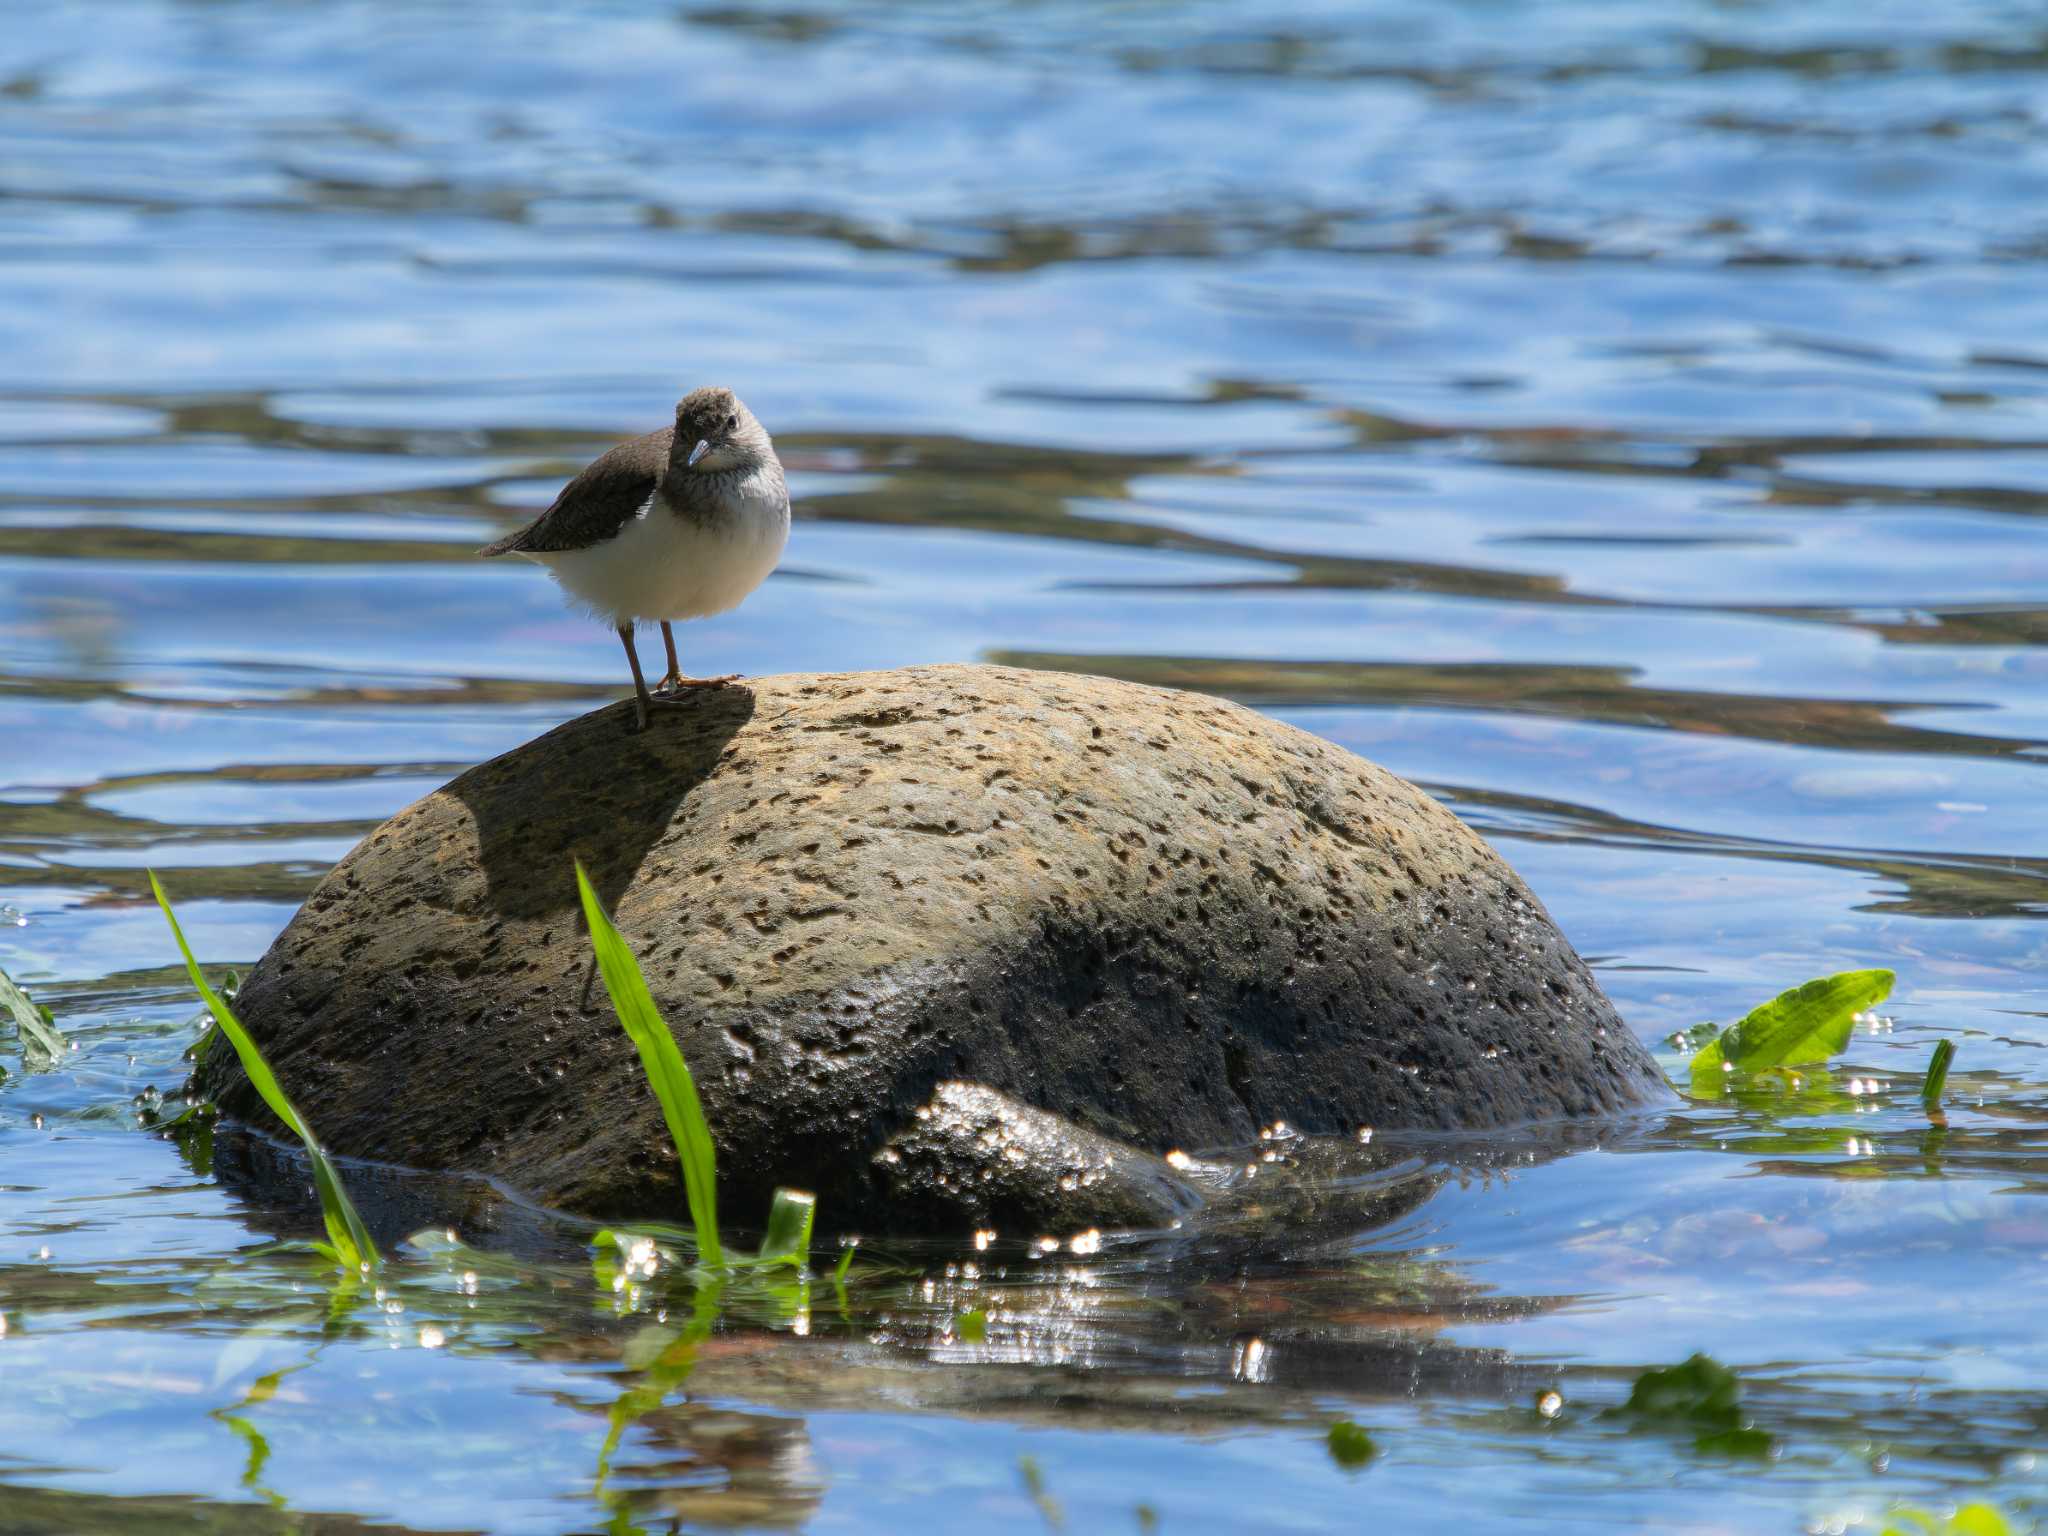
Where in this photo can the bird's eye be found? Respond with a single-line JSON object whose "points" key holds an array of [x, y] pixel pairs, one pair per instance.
{"points": [[732, 423]]}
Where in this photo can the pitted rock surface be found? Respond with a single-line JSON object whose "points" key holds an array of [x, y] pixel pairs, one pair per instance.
{"points": [[1162, 918]]}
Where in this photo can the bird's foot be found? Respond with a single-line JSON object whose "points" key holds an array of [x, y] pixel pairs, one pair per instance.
{"points": [[676, 690]]}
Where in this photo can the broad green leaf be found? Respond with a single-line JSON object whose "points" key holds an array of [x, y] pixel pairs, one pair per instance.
{"points": [[348, 1238], [1701, 1394], [667, 1072], [1807, 1024], [1701, 1390], [1970, 1520], [41, 1044], [1979, 1520]]}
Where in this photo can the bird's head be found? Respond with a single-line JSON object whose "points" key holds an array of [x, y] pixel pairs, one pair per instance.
{"points": [[716, 432]]}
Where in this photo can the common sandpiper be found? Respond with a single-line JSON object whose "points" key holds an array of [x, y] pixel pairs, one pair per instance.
{"points": [[678, 524]]}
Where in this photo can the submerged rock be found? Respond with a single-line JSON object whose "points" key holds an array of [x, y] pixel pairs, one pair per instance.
{"points": [[949, 945]]}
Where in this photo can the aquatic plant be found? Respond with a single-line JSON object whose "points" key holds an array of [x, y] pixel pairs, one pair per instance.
{"points": [[793, 1212], [229, 989], [1032, 1476], [1350, 1446], [348, 1240], [235, 1417], [1937, 1075], [1970, 1520], [41, 1042], [1702, 1395], [665, 1356], [1800, 1027]]}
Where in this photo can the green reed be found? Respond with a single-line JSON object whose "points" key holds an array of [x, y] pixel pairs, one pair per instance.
{"points": [[348, 1240], [793, 1212], [41, 1043], [1937, 1075]]}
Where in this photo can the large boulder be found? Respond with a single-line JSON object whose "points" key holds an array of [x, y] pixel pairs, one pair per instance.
{"points": [[948, 944]]}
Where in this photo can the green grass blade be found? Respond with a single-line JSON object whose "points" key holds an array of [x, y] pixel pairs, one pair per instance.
{"points": [[789, 1228], [41, 1044], [1937, 1074], [345, 1230], [1808, 1024], [667, 1072]]}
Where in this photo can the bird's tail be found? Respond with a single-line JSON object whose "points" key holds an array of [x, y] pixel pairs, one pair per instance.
{"points": [[508, 545]]}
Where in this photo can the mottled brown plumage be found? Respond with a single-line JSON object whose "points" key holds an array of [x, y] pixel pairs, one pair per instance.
{"points": [[600, 501], [597, 503], [678, 524]]}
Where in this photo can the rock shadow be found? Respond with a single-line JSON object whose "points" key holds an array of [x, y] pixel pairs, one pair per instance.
{"points": [[601, 792]]}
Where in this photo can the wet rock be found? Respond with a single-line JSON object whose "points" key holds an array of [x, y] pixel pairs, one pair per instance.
{"points": [[976, 1156], [1158, 919]]}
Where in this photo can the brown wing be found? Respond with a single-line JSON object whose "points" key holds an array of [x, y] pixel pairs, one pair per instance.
{"points": [[597, 503]]}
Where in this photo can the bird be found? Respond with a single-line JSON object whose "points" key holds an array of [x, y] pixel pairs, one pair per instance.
{"points": [[679, 524]]}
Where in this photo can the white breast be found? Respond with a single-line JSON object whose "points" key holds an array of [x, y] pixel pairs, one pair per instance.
{"points": [[662, 566]]}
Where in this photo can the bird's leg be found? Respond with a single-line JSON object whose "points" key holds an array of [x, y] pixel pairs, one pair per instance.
{"points": [[639, 682], [673, 678], [670, 688]]}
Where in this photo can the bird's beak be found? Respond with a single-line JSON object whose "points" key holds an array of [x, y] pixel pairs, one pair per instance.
{"points": [[703, 447]]}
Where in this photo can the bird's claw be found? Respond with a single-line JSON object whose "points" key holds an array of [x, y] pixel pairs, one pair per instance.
{"points": [[674, 690]]}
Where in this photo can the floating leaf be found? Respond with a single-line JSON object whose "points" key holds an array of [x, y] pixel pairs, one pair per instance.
{"points": [[1701, 1390], [1808, 1024], [1979, 1520], [1702, 1395], [1970, 1520], [348, 1240], [1350, 1446], [1741, 1441], [1696, 1038], [667, 1072], [41, 1044]]}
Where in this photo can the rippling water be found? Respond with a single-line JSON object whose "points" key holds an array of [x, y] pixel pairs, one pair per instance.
{"points": [[1629, 420]]}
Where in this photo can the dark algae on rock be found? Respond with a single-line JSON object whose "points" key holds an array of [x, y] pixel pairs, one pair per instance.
{"points": [[946, 944]]}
